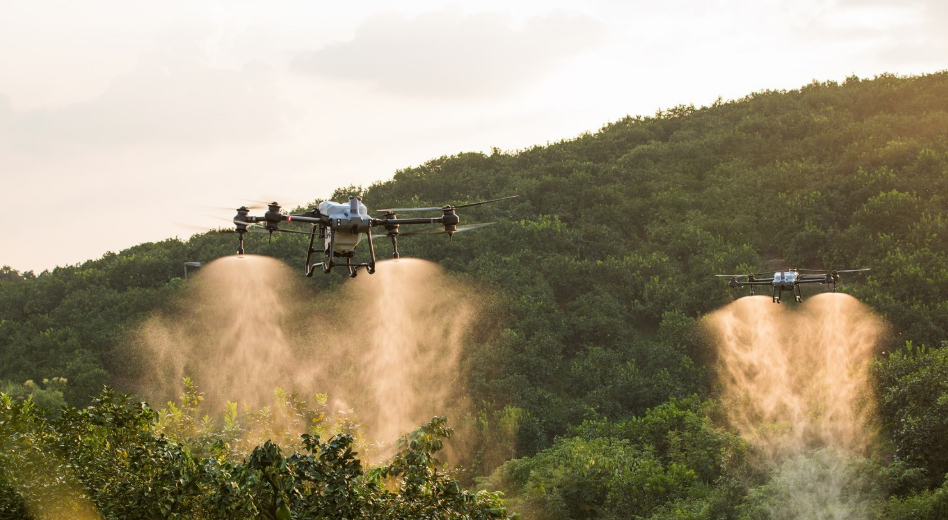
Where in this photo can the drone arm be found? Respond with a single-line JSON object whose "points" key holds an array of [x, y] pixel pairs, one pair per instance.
{"points": [[756, 282], [304, 218], [376, 222]]}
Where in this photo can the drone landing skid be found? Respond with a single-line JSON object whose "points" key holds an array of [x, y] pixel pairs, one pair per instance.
{"points": [[353, 268], [797, 294]]}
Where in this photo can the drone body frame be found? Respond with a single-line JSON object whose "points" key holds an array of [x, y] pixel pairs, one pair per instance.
{"points": [[788, 280], [339, 229]]}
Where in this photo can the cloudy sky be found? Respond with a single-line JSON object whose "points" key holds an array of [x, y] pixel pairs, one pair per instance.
{"points": [[124, 122]]}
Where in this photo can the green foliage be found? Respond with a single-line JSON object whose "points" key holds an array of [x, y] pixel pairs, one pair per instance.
{"points": [[108, 459], [48, 397], [925, 505], [670, 459], [913, 405], [601, 268]]}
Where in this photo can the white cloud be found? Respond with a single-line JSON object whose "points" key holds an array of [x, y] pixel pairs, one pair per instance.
{"points": [[449, 54], [175, 96], [6, 110], [893, 36]]}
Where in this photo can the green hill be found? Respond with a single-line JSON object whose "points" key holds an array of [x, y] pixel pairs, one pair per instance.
{"points": [[604, 265]]}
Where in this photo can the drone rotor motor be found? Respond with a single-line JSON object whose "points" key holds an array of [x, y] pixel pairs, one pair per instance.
{"points": [[450, 219]]}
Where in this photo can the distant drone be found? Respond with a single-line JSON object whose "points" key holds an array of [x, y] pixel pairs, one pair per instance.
{"points": [[789, 280], [340, 227]]}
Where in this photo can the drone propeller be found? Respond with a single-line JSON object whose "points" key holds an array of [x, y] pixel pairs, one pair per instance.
{"points": [[733, 275], [279, 230], [829, 272], [255, 201], [251, 207], [437, 231], [447, 206], [192, 227], [251, 226], [403, 210], [229, 221], [263, 204], [469, 204]]}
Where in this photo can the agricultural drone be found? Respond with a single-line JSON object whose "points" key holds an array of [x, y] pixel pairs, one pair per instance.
{"points": [[339, 228], [789, 280]]}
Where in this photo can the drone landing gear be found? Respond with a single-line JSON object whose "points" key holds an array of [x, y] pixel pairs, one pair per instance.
{"points": [[776, 295], [369, 266], [311, 268], [798, 294], [330, 253]]}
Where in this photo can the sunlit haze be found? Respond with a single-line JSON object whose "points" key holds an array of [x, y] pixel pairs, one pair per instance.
{"points": [[123, 122]]}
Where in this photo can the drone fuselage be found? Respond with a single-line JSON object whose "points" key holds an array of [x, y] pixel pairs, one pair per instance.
{"points": [[785, 280], [348, 222]]}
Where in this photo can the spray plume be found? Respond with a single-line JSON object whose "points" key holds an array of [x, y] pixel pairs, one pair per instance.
{"points": [[796, 379], [795, 384], [385, 347]]}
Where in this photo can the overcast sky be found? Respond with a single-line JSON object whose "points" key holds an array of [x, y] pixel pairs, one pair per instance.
{"points": [[124, 122]]}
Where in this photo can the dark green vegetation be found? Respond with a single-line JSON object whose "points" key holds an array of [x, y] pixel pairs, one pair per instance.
{"points": [[131, 471], [601, 268]]}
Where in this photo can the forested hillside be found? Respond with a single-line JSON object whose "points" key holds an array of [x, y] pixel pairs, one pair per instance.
{"points": [[601, 272]]}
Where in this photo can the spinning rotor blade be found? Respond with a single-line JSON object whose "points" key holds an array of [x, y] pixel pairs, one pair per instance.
{"points": [[281, 230], [228, 220], [732, 275], [438, 230], [278, 230], [484, 202], [469, 227], [263, 203], [403, 210], [268, 199], [419, 232], [251, 226], [252, 207], [436, 208], [852, 270], [192, 227]]}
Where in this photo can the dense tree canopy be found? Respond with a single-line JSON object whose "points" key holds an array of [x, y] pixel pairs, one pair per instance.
{"points": [[602, 268]]}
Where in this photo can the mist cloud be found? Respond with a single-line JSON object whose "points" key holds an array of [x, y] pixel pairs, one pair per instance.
{"points": [[449, 54]]}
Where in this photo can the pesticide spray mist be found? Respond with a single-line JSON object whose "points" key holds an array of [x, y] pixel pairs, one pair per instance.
{"points": [[385, 348], [400, 336], [228, 334], [795, 384], [795, 379]]}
